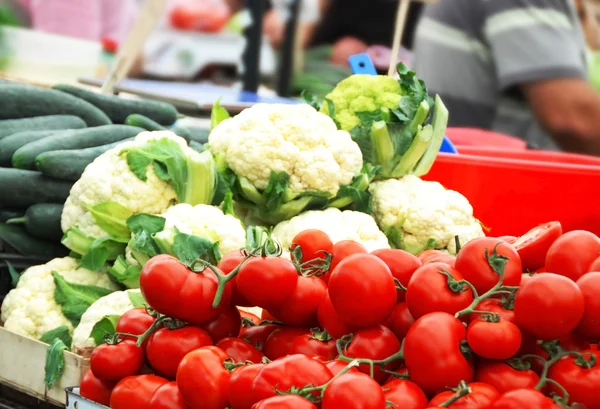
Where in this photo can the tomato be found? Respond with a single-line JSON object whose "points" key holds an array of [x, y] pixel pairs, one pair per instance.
{"points": [[405, 394], [589, 327], [135, 392], [432, 352], [476, 258], [174, 290], [135, 322], [509, 239], [203, 370], [285, 402], [573, 253], [111, 363], [534, 245], [285, 373], [353, 390], [481, 396], [331, 321], [375, 343], [257, 335], [208, 18], [521, 399], [401, 371], [549, 306], [316, 345], [581, 383], [362, 290], [227, 264], [494, 340], [301, 307], [504, 377], [248, 315], [428, 291], [401, 263], [341, 250], [495, 306], [314, 244], [267, 316], [267, 281], [240, 392], [337, 365], [226, 324], [95, 390], [437, 256], [400, 320], [167, 397], [240, 351], [595, 267], [280, 341]]}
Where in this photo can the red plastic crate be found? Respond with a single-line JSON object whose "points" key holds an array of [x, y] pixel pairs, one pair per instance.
{"points": [[483, 138], [511, 196], [534, 155]]}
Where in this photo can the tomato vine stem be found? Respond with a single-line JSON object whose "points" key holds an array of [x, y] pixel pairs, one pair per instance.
{"points": [[461, 391], [342, 344]]}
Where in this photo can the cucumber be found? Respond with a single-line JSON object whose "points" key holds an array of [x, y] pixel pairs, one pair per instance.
{"points": [[24, 101], [118, 109], [42, 221], [190, 133], [197, 146], [17, 238], [6, 214], [143, 122], [23, 188], [10, 144], [70, 164], [24, 157], [40, 123]]}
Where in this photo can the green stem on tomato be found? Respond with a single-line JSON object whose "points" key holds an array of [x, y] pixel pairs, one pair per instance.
{"points": [[141, 338], [322, 388], [399, 285], [343, 342], [463, 390]]}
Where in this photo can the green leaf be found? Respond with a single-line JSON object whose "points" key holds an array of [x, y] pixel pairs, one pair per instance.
{"points": [[146, 222], [276, 190], [331, 112], [138, 164], [112, 218], [55, 362], [367, 118], [106, 326], [123, 273], [188, 248], [14, 275], [161, 171], [228, 204], [137, 299], [311, 100], [63, 333], [75, 299], [95, 258], [218, 114]]}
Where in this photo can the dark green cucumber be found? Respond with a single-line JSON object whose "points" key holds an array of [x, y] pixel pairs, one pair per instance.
{"points": [[24, 158], [118, 109], [40, 123], [23, 188], [10, 144], [24, 101], [143, 122], [197, 146], [19, 240], [42, 220], [6, 214], [190, 133], [70, 164]]}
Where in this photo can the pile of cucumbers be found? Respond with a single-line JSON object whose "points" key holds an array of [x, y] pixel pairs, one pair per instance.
{"points": [[47, 138]]}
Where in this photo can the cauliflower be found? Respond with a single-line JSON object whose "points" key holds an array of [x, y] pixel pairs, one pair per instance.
{"points": [[117, 303], [31, 309], [417, 215], [339, 225], [286, 158]]}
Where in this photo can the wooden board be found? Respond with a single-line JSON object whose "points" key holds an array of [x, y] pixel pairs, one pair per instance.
{"points": [[22, 362]]}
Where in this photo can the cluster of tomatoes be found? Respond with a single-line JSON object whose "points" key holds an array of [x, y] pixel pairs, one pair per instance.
{"points": [[509, 323]]}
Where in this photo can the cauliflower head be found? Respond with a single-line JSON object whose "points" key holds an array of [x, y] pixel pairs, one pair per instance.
{"points": [[339, 225], [417, 214], [31, 310]]}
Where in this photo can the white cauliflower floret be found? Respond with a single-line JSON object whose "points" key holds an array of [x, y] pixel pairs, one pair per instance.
{"points": [[420, 211], [339, 225], [117, 303], [30, 308]]}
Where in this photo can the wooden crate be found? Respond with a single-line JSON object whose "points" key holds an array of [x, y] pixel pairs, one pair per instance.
{"points": [[22, 363]]}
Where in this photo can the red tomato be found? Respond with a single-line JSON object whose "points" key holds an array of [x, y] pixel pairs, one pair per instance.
{"points": [[254, 318], [494, 340], [481, 396], [135, 322], [341, 250], [285, 402], [285, 373], [476, 258], [227, 264], [595, 267], [301, 307], [401, 263], [428, 291], [504, 377], [399, 373], [405, 394], [240, 351], [135, 392], [581, 383], [314, 244], [206, 18], [437, 256], [316, 345], [267, 316], [174, 290], [111, 363], [240, 392], [375, 343], [167, 397], [280, 341], [226, 324], [432, 352], [495, 306], [509, 239], [331, 321], [336, 367], [400, 320], [267, 281], [523, 398], [257, 335], [203, 370], [94, 389], [534, 245], [589, 327], [362, 290], [549, 306], [573, 253], [353, 390]]}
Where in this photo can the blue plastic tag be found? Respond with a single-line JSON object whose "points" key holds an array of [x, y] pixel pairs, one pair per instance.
{"points": [[362, 64]]}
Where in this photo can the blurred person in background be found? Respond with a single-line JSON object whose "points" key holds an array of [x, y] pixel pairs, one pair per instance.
{"points": [[518, 67]]}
